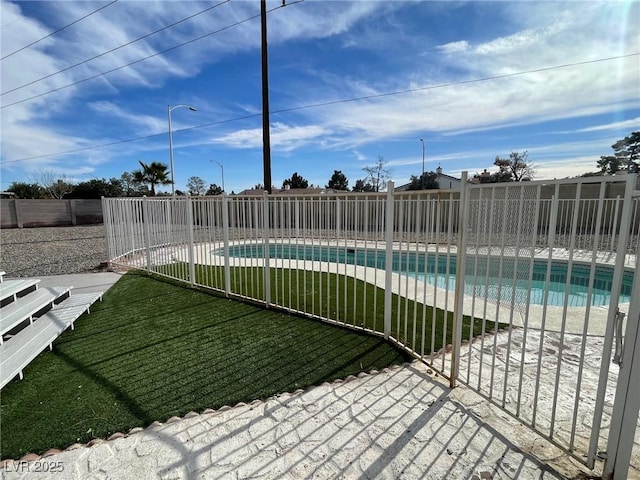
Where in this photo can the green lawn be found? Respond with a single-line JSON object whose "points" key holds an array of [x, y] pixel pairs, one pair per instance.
{"points": [[153, 349]]}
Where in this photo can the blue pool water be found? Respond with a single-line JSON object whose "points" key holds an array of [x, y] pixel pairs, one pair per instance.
{"points": [[492, 277]]}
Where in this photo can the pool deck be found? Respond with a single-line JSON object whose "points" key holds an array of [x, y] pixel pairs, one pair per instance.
{"points": [[401, 423]]}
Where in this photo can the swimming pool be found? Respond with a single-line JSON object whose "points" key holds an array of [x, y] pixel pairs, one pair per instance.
{"points": [[499, 279]]}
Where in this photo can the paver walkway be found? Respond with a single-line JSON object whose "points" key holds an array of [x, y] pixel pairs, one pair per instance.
{"points": [[400, 423]]}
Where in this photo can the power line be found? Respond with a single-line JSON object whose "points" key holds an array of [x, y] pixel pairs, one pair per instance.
{"points": [[116, 48], [59, 30], [333, 102], [137, 61]]}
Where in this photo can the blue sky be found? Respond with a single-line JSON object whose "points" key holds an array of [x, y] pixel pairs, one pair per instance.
{"points": [[320, 52]]}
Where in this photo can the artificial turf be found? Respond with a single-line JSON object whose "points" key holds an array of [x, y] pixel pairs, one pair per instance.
{"points": [[153, 349], [342, 298]]}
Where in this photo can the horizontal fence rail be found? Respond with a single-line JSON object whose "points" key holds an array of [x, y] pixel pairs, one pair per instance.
{"points": [[501, 286]]}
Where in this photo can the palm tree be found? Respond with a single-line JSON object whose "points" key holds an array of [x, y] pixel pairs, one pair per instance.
{"points": [[153, 174]]}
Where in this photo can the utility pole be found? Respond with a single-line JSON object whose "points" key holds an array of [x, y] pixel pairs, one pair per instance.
{"points": [[266, 140], [422, 176]]}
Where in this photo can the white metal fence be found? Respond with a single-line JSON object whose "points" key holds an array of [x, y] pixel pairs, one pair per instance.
{"points": [[547, 264]]}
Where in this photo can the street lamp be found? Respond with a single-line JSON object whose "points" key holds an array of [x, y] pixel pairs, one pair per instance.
{"points": [[422, 177], [222, 169], [169, 109]]}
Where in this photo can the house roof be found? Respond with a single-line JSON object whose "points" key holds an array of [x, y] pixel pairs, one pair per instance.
{"points": [[286, 191], [444, 175]]}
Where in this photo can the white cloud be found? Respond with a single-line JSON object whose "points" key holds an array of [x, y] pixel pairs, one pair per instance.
{"points": [[359, 156], [283, 137], [453, 47], [150, 124], [632, 124], [568, 167]]}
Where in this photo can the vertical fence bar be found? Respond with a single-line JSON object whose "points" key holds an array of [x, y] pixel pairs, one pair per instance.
{"points": [[265, 249], [555, 206], [337, 247], [623, 240], [388, 264], [627, 401], [225, 239], [525, 322], [514, 285], [573, 233], [461, 259], [135, 212], [601, 205], [190, 240], [108, 227], [147, 231], [615, 223]]}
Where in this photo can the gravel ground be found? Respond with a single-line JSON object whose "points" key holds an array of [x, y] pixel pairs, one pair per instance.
{"points": [[30, 252]]}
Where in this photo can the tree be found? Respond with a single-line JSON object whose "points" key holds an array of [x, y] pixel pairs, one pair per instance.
{"points": [[214, 190], [296, 181], [377, 175], [97, 188], [258, 186], [196, 186], [514, 169], [609, 164], [338, 181], [132, 188], [154, 173], [426, 181], [26, 190], [626, 156], [362, 186], [55, 184]]}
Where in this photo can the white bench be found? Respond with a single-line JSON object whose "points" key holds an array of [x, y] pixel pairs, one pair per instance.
{"points": [[11, 288], [17, 312], [27, 344]]}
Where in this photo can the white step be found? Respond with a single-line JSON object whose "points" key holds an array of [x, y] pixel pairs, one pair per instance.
{"points": [[26, 307], [27, 344], [11, 288], [2, 274]]}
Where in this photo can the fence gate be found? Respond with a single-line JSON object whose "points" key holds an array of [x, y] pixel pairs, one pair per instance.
{"points": [[546, 265]]}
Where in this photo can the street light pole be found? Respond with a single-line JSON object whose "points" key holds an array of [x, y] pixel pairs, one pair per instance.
{"points": [[222, 170], [422, 176], [169, 109]]}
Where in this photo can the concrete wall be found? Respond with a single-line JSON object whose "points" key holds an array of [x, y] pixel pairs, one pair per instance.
{"points": [[49, 213]]}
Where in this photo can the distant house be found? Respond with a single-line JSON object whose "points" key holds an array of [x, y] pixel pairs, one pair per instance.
{"points": [[484, 177], [446, 182]]}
